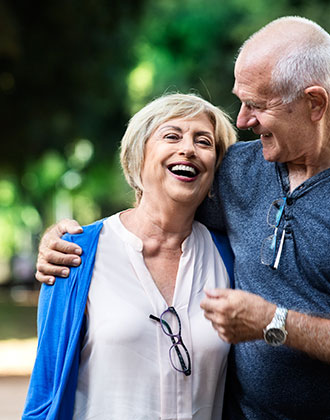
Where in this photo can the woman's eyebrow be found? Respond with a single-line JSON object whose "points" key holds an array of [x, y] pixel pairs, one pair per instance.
{"points": [[205, 133], [173, 127]]}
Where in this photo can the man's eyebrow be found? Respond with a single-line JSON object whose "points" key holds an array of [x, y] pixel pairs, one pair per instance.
{"points": [[248, 102]]}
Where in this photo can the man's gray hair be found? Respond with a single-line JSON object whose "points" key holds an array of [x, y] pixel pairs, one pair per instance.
{"points": [[305, 63]]}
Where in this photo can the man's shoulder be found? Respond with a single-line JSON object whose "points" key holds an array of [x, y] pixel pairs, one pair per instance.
{"points": [[242, 158], [244, 150]]}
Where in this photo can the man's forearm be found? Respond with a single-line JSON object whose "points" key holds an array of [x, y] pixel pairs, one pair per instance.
{"points": [[241, 316], [309, 334]]}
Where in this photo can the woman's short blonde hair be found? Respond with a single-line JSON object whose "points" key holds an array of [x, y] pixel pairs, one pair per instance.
{"points": [[165, 108]]}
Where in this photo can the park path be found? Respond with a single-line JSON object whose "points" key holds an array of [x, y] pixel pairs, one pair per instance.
{"points": [[16, 361], [13, 391]]}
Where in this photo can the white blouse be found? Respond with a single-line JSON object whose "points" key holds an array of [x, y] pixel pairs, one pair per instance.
{"points": [[125, 371]]}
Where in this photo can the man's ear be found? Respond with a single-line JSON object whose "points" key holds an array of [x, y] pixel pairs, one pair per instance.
{"points": [[318, 99]]}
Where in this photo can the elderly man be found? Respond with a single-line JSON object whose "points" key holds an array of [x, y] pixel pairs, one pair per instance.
{"points": [[272, 198]]}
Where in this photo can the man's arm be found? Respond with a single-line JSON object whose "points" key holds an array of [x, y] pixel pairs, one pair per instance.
{"points": [[56, 255], [241, 316]]}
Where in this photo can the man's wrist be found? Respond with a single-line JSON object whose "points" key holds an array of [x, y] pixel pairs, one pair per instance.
{"points": [[275, 333]]}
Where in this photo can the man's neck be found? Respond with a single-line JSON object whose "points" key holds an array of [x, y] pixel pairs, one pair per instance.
{"points": [[300, 173]]}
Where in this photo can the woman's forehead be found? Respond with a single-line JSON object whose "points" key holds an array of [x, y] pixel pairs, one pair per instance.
{"points": [[201, 118]]}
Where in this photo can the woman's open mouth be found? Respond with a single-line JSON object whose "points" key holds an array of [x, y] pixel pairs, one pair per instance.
{"points": [[183, 171]]}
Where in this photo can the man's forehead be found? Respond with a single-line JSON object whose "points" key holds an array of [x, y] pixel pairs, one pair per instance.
{"points": [[252, 81], [235, 91]]}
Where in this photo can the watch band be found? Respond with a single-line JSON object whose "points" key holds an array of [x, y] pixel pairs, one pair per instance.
{"points": [[275, 333], [279, 318]]}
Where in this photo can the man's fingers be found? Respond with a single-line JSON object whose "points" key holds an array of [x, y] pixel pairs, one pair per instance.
{"points": [[213, 293], [69, 226], [57, 255], [63, 246], [211, 304], [58, 258], [48, 270], [44, 279]]}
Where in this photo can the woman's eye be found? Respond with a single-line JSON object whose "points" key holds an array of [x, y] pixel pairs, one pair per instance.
{"points": [[204, 141], [171, 136]]}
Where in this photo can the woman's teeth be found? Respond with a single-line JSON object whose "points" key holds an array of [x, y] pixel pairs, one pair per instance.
{"points": [[184, 170]]}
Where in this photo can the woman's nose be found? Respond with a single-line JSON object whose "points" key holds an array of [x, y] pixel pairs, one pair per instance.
{"points": [[187, 146], [246, 118]]}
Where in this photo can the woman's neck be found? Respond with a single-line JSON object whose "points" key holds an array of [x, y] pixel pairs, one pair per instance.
{"points": [[169, 225]]}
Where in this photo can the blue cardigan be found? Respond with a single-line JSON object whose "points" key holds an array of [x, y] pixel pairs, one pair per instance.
{"points": [[61, 328]]}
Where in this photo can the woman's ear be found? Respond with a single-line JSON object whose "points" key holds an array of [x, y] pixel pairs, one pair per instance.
{"points": [[318, 99]]}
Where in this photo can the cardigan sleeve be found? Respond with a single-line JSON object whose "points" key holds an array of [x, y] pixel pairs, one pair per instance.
{"points": [[60, 327], [223, 245]]}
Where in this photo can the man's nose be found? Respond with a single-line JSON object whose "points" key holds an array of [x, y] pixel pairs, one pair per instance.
{"points": [[246, 118]]}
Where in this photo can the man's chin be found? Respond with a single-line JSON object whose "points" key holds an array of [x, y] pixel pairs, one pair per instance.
{"points": [[269, 154]]}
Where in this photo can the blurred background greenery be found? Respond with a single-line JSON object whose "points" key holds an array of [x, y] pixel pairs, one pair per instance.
{"points": [[71, 75]]}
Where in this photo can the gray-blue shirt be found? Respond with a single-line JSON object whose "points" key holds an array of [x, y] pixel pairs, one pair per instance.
{"points": [[266, 382]]}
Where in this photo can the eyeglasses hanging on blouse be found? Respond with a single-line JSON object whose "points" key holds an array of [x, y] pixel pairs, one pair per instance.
{"points": [[171, 326]]}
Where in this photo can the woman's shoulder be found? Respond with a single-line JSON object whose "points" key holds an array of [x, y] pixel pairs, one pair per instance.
{"points": [[89, 232], [222, 244], [210, 235]]}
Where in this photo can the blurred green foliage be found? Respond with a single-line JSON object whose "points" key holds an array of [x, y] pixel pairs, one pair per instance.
{"points": [[17, 321], [71, 75]]}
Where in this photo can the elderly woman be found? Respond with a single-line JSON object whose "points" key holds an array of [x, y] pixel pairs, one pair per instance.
{"points": [[124, 336]]}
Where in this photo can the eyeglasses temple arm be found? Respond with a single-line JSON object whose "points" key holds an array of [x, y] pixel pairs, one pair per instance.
{"points": [[279, 252], [163, 322]]}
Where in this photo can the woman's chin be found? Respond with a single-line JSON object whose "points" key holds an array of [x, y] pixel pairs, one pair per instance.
{"points": [[188, 200]]}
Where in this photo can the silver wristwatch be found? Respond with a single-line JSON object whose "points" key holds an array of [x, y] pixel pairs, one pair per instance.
{"points": [[275, 333]]}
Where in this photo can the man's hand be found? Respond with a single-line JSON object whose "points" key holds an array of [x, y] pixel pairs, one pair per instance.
{"points": [[237, 315], [56, 255]]}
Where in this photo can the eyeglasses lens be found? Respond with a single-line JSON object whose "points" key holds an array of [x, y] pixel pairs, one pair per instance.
{"points": [[275, 212], [179, 357], [170, 322], [268, 250]]}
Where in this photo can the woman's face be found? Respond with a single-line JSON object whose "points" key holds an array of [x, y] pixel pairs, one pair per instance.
{"points": [[179, 161]]}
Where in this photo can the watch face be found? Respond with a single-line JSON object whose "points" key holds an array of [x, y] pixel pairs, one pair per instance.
{"points": [[275, 336]]}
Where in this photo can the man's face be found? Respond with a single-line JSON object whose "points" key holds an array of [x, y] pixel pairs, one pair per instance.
{"points": [[283, 128]]}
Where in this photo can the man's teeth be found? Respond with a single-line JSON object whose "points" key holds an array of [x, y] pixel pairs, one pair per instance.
{"points": [[184, 169]]}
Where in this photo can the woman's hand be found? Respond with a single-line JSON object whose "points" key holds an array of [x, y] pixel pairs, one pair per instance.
{"points": [[56, 255]]}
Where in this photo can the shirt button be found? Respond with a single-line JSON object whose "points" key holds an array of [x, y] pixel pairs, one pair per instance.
{"points": [[289, 201]]}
